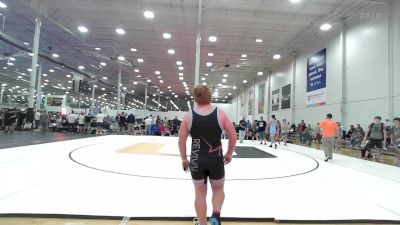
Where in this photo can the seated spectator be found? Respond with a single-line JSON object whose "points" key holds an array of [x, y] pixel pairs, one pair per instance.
{"points": [[155, 130], [163, 128], [307, 137]]}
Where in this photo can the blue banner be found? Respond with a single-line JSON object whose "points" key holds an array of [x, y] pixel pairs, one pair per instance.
{"points": [[316, 79]]}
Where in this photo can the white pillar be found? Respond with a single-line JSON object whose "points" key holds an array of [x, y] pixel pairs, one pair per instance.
{"points": [[269, 95], [1, 96], [93, 87], [145, 100], [198, 45], [79, 100], [344, 76], [293, 91], [39, 89], [119, 88]]}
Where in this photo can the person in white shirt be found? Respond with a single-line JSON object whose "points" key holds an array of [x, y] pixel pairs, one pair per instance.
{"points": [[37, 119], [81, 122], [100, 123], [71, 118], [147, 125]]}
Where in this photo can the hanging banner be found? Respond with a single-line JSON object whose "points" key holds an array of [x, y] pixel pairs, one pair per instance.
{"points": [[275, 100], [261, 98], [251, 101], [316, 79], [286, 93]]}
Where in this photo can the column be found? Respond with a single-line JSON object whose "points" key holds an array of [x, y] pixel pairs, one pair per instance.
{"points": [[39, 89], [93, 87], [1, 96], [344, 76], [293, 91], [198, 45], [119, 88], [145, 100], [269, 96]]}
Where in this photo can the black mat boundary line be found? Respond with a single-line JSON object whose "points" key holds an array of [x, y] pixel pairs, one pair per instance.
{"points": [[71, 216], [350, 221], [183, 179]]}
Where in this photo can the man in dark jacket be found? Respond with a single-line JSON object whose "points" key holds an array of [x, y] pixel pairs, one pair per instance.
{"points": [[131, 123]]}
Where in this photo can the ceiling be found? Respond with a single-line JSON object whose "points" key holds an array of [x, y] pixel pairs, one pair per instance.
{"points": [[283, 26]]}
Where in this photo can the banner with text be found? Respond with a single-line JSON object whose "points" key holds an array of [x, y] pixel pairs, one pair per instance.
{"points": [[316, 79], [286, 93], [275, 100], [261, 98]]}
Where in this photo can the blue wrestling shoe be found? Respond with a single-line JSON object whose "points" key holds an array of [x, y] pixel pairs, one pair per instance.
{"points": [[214, 220]]}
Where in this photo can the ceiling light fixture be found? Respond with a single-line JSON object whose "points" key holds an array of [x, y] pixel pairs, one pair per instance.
{"points": [[140, 60], [11, 59], [260, 73], [209, 64], [325, 26], [244, 81], [26, 43], [181, 68], [157, 72], [120, 31], [148, 14], [133, 50], [103, 64], [136, 70], [225, 75], [97, 49], [51, 70], [81, 67], [171, 51], [212, 38], [295, 1], [244, 56], [210, 54], [105, 78], [181, 78], [121, 58], [224, 80], [179, 63], [258, 40], [83, 29], [68, 75], [277, 56], [166, 35], [55, 55]]}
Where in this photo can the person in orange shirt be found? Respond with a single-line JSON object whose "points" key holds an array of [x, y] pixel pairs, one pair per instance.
{"points": [[329, 132]]}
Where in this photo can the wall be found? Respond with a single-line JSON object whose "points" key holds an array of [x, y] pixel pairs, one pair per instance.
{"points": [[358, 70]]}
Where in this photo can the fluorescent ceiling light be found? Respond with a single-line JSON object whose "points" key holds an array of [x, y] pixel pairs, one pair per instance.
{"points": [[11, 59], [51, 70], [133, 50], [171, 51], [277, 56], [29, 69], [206, 74], [169, 87], [212, 38], [81, 67], [30, 54], [209, 64], [234, 87], [45, 75], [179, 63], [140, 60], [83, 29], [148, 14], [204, 83], [167, 35], [55, 55], [258, 40], [157, 72], [224, 80], [161, 81], [260, 73], [203, 78], [120, 31], [10, 64], [149, 80], [244, 81], [136, 70], [229, 93], [180, 74], [103, 64], [105, 78], [121, 58], [26, 43], [68, 75], [243, 55], [325, 26], [210, 54], [181, 68], [295, 1], [135, 83], [225, 75], [181, 78], [97, 49]]}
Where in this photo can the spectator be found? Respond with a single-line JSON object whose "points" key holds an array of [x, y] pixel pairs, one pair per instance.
{"points": [[163, 128], [242, 129], [376, 136], [273, 130], [318, 136], [329, 132], [147, 125], [284, 131], [37, 119], [360, 130], [301, 128], [351, 130], [71, 119], [100, 123], [254, 129], [395, 138], [122, 122], [339, 136], [8, 121], [131, 123], [81, 122], [44, 121], [261, 130], [88, 120]]}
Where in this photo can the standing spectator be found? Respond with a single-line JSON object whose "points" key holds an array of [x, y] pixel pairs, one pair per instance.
{"points": [[301, 128], [147, 125], [37, 119], [273, 129], [81, 122], [285, 131], [318, 134], [100, 123], [88, 120], [122, 122], [242, 129], [395, 138], [254, 129], [7, 121], [339, 136], [248, 125], [176, 124], [261, 130], [360, 130], [131, 123], [44, 121], [350, 132], [71, 119], [376, 133], [329, 132]]}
